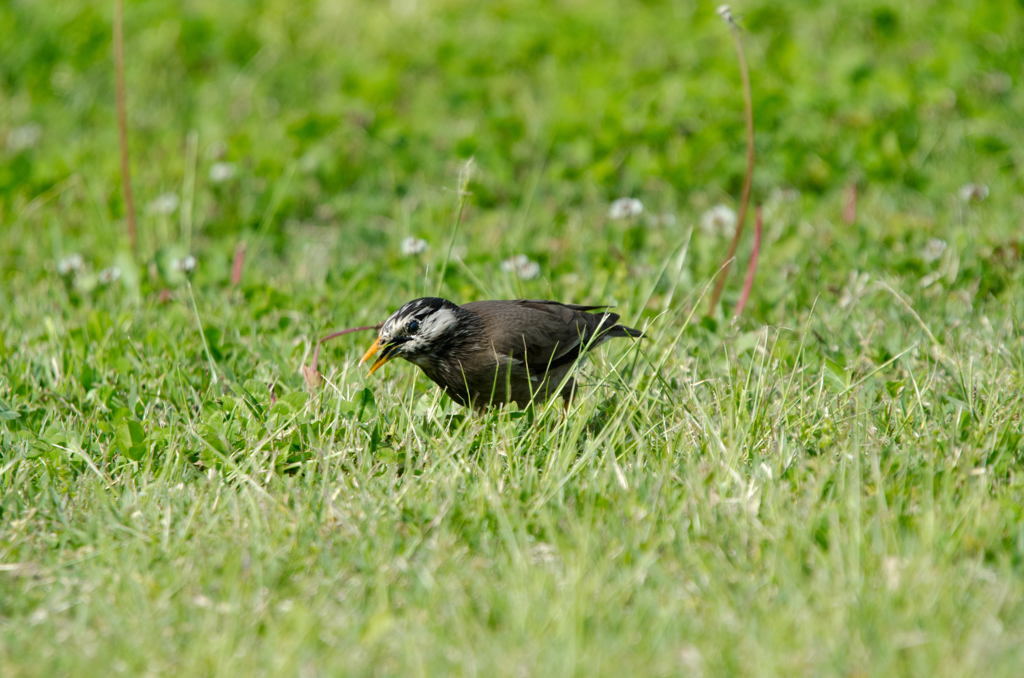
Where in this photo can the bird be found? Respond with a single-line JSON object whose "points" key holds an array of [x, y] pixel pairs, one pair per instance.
{"points": [[489, 353]]}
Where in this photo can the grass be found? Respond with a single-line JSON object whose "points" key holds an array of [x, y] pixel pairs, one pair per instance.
{"points": [[830, 486]]}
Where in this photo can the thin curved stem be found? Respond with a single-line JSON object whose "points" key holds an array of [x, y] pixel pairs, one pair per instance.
{"points": [[748, 283], [748, 105], [122, 122]]}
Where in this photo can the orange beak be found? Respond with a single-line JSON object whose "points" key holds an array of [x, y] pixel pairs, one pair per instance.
{"points": [[386, 356]]}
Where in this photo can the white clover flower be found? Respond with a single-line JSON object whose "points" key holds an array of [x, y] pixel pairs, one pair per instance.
{"points": [[163, 204], [72, 263], [719, 220], [970, 192], [667, 219], [511, 263], [109, 275], [529, 271], [522, 266], [413, 246], [186, 264], [625, 208], [222, 171], [24, 137], [933, 249]]}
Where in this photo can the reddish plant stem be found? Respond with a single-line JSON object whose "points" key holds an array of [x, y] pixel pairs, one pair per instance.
{"points": [[315, 363], [748, 283], [850, 208], [748, 106], [237, 262], [122, 122]]}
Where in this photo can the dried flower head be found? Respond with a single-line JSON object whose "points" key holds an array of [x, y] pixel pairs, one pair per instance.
{"points": [[70, 264], [163, 204], [413, 246], [625, 208], [522, 266], [719, 220], [314, 380]]}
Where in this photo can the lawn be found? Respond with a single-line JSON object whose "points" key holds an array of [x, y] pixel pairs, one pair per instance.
{"points": [[828, 485]]}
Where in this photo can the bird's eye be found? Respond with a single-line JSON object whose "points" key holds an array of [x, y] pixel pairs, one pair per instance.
{"points": [[414, 326]]}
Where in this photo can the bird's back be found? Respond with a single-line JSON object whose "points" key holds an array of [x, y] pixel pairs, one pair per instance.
{"points": [[545, 334]]}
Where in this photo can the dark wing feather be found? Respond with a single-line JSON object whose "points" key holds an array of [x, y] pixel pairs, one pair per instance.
{"points": [[575, 307], [544, 334]]}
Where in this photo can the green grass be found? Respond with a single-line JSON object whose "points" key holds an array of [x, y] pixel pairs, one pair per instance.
{"points": [[830, 486]]}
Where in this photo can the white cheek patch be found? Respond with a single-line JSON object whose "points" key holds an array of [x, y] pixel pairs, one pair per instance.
{"points": [[437, 323]]}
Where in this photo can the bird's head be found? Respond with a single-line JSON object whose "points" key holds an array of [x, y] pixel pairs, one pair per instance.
{"points": [[416, 331]]}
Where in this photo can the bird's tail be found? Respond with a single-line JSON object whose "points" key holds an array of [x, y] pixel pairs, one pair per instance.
{"points": [[609, 320], [623, 331]]}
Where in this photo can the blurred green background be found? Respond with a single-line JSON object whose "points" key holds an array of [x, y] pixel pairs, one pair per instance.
{"points": [[354, 117]]}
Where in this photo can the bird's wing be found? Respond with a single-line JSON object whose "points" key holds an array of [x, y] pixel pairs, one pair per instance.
{"points": [[542, 334], [575, 307]]}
